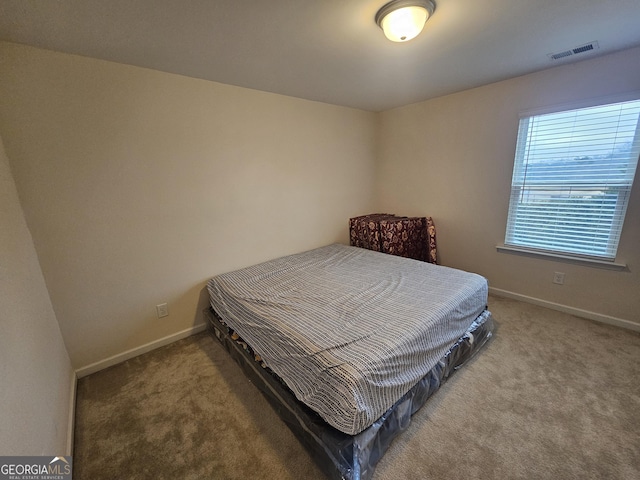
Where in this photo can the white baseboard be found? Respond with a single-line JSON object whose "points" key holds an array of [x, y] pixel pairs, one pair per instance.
{"points": [[134, 352], [72, 414], [598, 317]]}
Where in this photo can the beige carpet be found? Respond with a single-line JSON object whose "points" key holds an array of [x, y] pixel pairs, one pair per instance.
{"points": [[551, 397]]}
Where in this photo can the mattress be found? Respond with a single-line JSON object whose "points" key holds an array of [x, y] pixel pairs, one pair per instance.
{"points": [[342, 456], [349, 331]]}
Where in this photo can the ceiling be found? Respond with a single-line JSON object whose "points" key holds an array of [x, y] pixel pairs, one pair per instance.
{"points": [[326, 50]]}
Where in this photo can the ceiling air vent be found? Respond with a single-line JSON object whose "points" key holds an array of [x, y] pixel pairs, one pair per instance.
{"points": [[558, 56], [574, 51]]}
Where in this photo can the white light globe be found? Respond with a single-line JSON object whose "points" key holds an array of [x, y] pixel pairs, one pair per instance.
{"points": [[404, 24]]}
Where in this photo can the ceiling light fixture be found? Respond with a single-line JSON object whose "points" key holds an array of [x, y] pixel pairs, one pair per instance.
{"points": [[402, 20]]}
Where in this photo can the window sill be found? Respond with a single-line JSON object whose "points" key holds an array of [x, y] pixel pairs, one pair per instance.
{"points": [[588, 262]]}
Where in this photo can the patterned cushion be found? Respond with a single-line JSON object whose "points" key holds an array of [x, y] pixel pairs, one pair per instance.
{"points": [[411, 237]]}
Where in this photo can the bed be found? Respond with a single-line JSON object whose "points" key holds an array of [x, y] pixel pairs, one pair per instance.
{"points": [[348, 343]]}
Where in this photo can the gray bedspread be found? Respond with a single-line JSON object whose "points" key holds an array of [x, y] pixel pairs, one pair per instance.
{"points": [[349, 330]]}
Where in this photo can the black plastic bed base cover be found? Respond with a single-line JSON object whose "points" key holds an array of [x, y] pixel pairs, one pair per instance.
{"points": [[339, 455]]}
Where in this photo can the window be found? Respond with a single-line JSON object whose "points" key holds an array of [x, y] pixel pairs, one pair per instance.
{"points": [[572, 179]]}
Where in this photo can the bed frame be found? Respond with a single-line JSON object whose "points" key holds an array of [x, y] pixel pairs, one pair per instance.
{"points": [[339, 455]]}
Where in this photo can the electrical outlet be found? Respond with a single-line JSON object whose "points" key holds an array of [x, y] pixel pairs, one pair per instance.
{"points": [[558, 278], [162, 310]]}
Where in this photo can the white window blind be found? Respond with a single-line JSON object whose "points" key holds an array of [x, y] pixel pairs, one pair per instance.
{"points": [[572, 179]]}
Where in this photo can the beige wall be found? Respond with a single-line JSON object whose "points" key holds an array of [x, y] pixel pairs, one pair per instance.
{"points": [[139, 185], [35, 371], [452, 158]]}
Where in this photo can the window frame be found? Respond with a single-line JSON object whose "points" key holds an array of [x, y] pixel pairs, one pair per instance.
{"points": [[520, 143]]}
